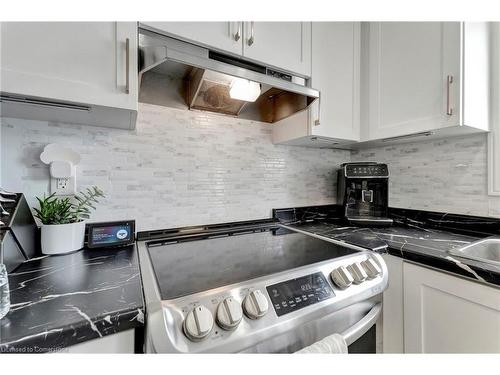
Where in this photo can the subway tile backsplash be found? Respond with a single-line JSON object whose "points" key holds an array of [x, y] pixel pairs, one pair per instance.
{"points": [[445, 175], [187, 168], [177, 168]]}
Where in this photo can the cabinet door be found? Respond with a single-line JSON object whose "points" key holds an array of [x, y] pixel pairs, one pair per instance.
{"points": [[82, 62], [407, 72], [392, 314], [284, 45], [447, 314], [336, 73], [223, 36]]}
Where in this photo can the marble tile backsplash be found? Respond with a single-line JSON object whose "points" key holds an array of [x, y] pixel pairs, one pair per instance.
{"points": [[446, 175], [177, 168], [187, 168]]}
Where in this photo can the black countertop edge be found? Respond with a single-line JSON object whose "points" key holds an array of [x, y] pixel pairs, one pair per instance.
{"points": [[55, 339], [476, 226], [62, 300], [463, 224], [452, 265]]}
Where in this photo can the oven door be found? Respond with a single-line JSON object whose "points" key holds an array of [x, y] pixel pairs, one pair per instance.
{"points": [[357, 323]]}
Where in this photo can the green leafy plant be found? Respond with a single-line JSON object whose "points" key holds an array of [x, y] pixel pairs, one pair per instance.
{"points": [[57, 210]]}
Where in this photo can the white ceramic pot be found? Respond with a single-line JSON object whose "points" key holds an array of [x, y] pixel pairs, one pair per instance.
{"points": [[62, 238]]}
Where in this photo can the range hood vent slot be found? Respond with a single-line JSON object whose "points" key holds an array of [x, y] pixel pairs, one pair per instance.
{"points": [[236, 62]]}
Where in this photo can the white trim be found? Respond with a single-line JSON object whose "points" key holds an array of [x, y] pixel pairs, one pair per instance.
{"points": [[493, 163], [494, 136]]}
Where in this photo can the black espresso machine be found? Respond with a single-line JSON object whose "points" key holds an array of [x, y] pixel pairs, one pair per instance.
{"points": [[363, 191]]}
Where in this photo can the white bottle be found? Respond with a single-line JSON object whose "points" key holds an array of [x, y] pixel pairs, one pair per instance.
{"points": [[4, 292]]}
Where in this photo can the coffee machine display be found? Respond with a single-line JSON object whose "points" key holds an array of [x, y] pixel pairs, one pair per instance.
{"points": [[363, 190]]}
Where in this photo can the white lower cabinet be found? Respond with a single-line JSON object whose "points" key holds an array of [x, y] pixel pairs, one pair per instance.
{"points": [[448, 314], [392, 314], [117, 343], [334, 118]]}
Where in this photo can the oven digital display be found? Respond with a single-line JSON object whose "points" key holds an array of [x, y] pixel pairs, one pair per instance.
{"points": [[295, 294]]}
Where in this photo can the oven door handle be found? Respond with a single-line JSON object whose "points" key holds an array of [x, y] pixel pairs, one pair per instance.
{"points": [[360, 328]]}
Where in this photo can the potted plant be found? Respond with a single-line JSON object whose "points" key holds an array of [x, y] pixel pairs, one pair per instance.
{"points": [[63, 220]]}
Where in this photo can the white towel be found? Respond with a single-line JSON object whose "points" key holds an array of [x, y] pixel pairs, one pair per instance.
{"points": [[333, 344]]}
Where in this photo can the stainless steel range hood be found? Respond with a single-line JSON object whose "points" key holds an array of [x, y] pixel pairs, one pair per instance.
{"points": [[178, 74]]}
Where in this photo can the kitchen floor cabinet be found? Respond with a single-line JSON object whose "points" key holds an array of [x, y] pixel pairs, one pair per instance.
{"points": [[448, 314], [392, 313], [334, 118], [422, 77], [116, 343], [83, 72], [285, 46]]}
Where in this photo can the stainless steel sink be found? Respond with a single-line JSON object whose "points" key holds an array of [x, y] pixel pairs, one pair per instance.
{"points": [[486, 251]]}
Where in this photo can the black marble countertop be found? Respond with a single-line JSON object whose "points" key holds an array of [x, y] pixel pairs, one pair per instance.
{"points": [[62, 300], [422, 245], [419, 236]]}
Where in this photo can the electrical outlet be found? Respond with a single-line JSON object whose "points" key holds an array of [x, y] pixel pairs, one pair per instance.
{"points": [[63, 186]]}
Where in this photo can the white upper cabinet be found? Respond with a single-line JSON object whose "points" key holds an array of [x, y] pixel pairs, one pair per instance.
{"points": [[415, 80], [223, 36], [334, 118], [89, 67], [284, 45], [336, 74], [447, 314]]}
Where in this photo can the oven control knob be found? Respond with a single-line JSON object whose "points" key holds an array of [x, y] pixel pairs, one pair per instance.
{"points": [[255, 304], [229, 314], [341, 277], [357, 272], [372, 268], [198, 323]]}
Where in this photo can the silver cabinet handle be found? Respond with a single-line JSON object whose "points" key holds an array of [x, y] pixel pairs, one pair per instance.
{"points": [[251, 40], [317, 122], [237, 36], [127, 66], [449, 81]]}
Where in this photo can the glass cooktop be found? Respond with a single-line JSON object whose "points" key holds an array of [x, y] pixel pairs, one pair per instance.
{"points": [[189, 267]]}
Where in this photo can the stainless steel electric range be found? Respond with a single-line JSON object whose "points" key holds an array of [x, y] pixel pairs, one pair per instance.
{"points": [[245, 287]]}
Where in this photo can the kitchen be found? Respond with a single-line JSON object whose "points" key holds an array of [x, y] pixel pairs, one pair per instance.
{"points": [[250, 187]]}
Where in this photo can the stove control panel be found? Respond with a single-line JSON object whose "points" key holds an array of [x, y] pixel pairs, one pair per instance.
{"points": [[209, 320], [295, 294]]}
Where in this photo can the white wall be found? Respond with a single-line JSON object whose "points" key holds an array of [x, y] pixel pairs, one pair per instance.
{"points": [[447, 175], [177, 168]]}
